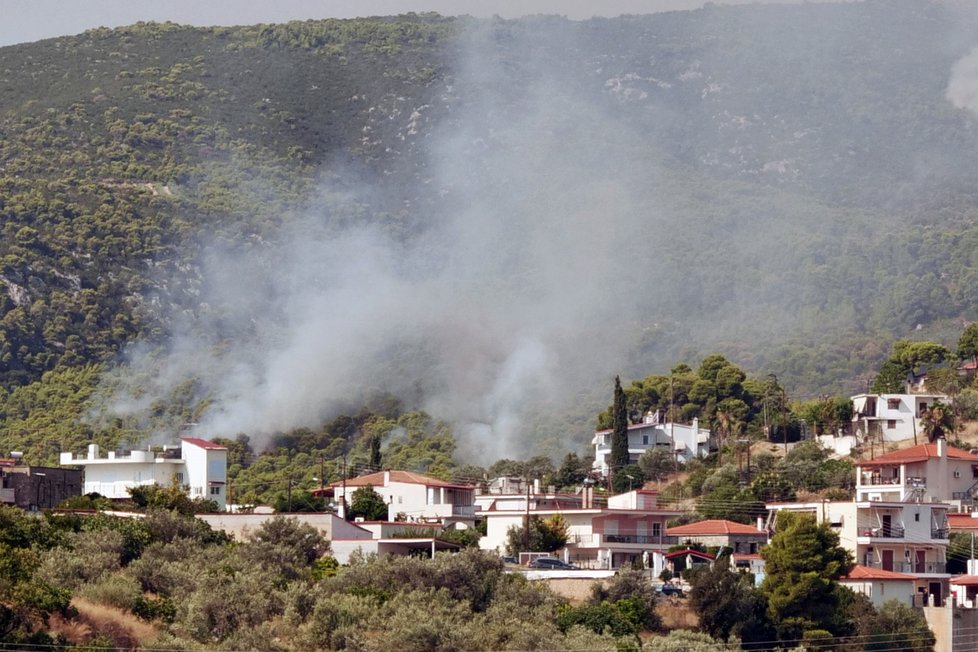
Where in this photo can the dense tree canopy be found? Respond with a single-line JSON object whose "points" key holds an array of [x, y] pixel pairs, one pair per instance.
{"points": [[802, 566]]}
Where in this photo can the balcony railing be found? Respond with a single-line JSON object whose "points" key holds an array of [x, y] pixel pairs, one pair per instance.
{"points": [[940, 533], [883, 532], [596, 539], [632, 538], [909, 566], [876, 480]]}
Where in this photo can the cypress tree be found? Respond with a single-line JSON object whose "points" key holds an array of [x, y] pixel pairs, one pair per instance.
{"points": [[619, 429]]}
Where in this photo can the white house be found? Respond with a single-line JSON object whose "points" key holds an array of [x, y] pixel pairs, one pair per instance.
{"points": [[685, 442], [196, 464], [413, 497], [891, 417], [632, 526], [902, 537], [930, 472], [880, 585]]}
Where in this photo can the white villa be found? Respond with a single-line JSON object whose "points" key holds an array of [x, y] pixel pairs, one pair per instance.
{"points": [[197, 464], [929, 472], [891, 417], [413, 497], [907, 538], [685, 442], [632, 526]]}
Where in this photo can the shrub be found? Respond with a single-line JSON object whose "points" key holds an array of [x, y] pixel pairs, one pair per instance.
{"points": [[116, 590]]}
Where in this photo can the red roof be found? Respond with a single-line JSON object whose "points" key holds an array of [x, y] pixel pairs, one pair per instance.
{"points": [[965, 580], [713, 528], [859, 572], [918, 453], [957, 521], [203, 443], [406, 477]]}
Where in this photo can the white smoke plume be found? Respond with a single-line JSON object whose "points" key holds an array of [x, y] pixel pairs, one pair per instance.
{"points": [[962, 89], [508, 303]]}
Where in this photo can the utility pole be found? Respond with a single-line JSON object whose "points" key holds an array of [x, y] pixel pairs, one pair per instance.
{"points": [[343, 500], [526, 518]]}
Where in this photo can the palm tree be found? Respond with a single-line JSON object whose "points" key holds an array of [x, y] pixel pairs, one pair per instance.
{"points": [[937, 421]]}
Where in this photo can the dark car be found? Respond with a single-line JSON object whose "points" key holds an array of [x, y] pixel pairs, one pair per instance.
{"points": [[551, 563], [670, 589], [507, 559]]}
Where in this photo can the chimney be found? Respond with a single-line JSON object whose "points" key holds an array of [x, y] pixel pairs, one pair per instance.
{"points": [[92, 451], [942, 490], [536, 486]]}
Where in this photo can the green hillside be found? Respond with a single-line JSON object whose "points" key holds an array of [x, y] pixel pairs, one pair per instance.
{"points": [[259, 228]]}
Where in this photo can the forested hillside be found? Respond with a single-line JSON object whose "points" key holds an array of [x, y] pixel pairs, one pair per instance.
{"points": [[256, 229]]}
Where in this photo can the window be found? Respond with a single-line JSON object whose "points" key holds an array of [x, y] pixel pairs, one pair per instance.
{"points": [[215, 491], [892, 404], [645, 440], [198, 491], [891, 424], [916, 517], [657, 529]]}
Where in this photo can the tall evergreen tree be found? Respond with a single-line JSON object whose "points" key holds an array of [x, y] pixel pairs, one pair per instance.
{"points": [[803, 564], [619, 429]]}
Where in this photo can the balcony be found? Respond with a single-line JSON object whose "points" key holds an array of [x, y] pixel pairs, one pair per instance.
{"points": [[881, 532], [875, 480], [911, 568], [597, 540], [940, 533], [643, 539]]}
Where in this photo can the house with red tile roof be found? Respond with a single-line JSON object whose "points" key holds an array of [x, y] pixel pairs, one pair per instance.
{"points": [[928, 472], [893, 536], [734, 537], [965, 590], [197, 464], [413, 497], [881, 586]]}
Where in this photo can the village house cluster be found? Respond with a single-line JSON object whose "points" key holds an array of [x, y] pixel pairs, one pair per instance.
{"points": [[897, 527]]}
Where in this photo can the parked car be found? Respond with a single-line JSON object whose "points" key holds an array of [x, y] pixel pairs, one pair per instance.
{"points": [[670, 589], [551, 563], [508, 559]]}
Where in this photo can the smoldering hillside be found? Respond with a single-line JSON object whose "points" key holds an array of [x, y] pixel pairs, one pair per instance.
{"points": [[553, 202]]}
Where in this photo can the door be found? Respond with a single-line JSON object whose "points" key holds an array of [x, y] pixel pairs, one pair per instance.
{"points": [[921, 562], [887, 525], [935, 592], [888, 560]]}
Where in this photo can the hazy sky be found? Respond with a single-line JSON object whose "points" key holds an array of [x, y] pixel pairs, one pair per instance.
{"points": [[32, 20]]}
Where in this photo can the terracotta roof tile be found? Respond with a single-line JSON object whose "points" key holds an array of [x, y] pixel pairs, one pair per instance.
{"points": [[918, 453], [860, 572], [713, 527], [406, 477]]}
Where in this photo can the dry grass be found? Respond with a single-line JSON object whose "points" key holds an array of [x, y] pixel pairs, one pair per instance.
{"points": [[127, 631], [676, 613]]}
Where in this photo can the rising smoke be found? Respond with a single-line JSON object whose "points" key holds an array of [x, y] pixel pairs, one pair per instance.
{"points": [[564, 228], [513, 298]]}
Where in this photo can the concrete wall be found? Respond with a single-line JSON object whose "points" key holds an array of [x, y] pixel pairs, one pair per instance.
{"points": [[239, 525]]}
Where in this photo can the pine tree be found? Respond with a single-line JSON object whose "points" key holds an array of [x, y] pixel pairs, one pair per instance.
{"points": [[619, 426]]}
